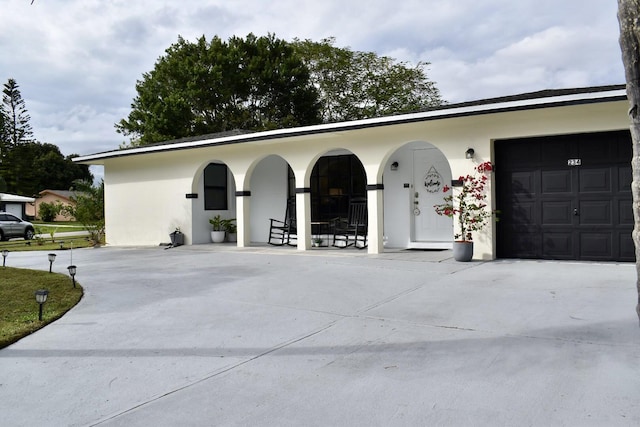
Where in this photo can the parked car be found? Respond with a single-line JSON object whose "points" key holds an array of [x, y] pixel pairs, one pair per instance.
{"points": [[12, 226]]}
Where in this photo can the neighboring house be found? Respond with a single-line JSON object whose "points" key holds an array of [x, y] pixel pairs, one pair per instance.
{"points": [[15, 204], [52, 196], [561, 180]]}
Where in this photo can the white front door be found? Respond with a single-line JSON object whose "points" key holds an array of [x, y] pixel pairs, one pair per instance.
{"points": [[431, 172]]}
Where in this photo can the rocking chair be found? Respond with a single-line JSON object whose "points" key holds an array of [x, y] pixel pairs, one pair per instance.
{"points": [[352, 231], [284, 232]]}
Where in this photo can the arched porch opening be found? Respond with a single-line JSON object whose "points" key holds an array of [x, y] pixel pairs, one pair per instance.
{"points": [[335, 178], [272, 184], [213, 193], [414, 176]]}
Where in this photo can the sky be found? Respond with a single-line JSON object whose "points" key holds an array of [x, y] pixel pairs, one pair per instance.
{"points": [[77, 61]]}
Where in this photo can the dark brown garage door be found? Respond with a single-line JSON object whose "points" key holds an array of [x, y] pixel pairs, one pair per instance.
{"points": [[565, 197]]}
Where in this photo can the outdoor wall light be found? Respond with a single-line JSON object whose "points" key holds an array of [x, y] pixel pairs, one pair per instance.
{"points": [[41, 298], [72, 273], [4, 257], [394, 166], [52, 257], [469, 153]]}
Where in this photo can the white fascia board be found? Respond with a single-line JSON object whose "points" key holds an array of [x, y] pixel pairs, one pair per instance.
{"points": [[378, 121]]}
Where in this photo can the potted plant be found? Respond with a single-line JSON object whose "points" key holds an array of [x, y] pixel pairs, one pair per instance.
{"points": [[468, 206], [229, 226], [217, 233], [317, 241]]}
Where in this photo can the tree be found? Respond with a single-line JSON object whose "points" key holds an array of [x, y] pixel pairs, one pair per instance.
{"points": [[257, 83], [33, 166], [88, 208], [629, 19], [356, 85], [18, 127]]}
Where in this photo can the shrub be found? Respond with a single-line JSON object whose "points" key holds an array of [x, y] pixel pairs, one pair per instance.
{"points": [[49, 211]]}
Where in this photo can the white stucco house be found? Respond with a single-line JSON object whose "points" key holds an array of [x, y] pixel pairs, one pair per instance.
{"points": [[561, 180]]}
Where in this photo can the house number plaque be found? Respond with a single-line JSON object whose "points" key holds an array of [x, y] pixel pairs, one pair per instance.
{"points": [[574, 162]]}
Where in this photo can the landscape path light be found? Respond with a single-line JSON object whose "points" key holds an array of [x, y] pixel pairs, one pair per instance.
{"points": [[41, 298], [4, 257], [72, 273], [52, 257]]}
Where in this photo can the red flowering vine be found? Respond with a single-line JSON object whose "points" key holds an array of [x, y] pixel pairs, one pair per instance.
{"points": [[469, 204]]}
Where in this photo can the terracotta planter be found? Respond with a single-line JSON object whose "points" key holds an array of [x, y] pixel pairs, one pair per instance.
{"points": [[463, 251]]}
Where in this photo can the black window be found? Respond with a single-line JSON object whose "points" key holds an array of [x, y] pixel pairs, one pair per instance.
{"points": [[215, 187]]}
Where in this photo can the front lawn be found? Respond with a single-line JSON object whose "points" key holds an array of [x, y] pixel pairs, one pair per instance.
{"points": [[18, 306], [46, 244]]}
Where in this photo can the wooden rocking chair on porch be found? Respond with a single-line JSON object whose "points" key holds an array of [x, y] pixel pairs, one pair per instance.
{"points": [[284, 232], [352, 231]]}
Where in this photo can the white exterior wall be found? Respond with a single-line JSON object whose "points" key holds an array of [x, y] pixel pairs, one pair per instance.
{"points": [[268, 196], [145, 194]]}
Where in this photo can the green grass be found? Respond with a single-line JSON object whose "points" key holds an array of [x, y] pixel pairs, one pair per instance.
{"points": [[18, 306], [45, 244]]}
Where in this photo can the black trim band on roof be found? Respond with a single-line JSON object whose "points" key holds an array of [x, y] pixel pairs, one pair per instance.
{"points": [[303, 190], [375, 187], [243, 193]]}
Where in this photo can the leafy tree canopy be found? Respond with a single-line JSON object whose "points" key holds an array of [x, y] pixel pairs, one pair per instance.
{"points": [[256, 83], [266, 83], [356, 85], [33, 166]]}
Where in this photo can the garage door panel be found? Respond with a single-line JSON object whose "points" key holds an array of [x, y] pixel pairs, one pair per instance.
{"points": [[556, 182], [557, 245], [595, 212], [523, 213], [525, 245], [557, 213], [596, 246], [626, 247], [595, 180], [523, 184], [625, 212], [625, 176]]}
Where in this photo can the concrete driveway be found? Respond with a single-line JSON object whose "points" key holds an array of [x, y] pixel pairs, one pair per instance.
{"points": [[208, 336]]}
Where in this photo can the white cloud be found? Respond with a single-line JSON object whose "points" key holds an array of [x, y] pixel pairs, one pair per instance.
{"points": [[77, 61]]}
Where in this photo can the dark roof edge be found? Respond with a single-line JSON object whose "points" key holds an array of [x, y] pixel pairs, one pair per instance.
{"points": [[511, 103], [547, 93]]}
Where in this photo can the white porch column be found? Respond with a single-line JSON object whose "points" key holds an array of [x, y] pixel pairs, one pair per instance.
{"points": [[303, 218], [375, 226], [243, 218]]}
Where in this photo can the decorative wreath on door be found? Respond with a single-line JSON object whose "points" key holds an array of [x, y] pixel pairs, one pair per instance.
{"points": [[433, 181]]}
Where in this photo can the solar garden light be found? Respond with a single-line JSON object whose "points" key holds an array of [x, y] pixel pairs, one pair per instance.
{"points": [[72, 273], [41, 298], [61, 245], [52, 257], [4, 257]]}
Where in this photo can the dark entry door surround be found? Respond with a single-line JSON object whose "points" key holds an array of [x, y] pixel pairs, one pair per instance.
{"points": [[565, 197]]}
